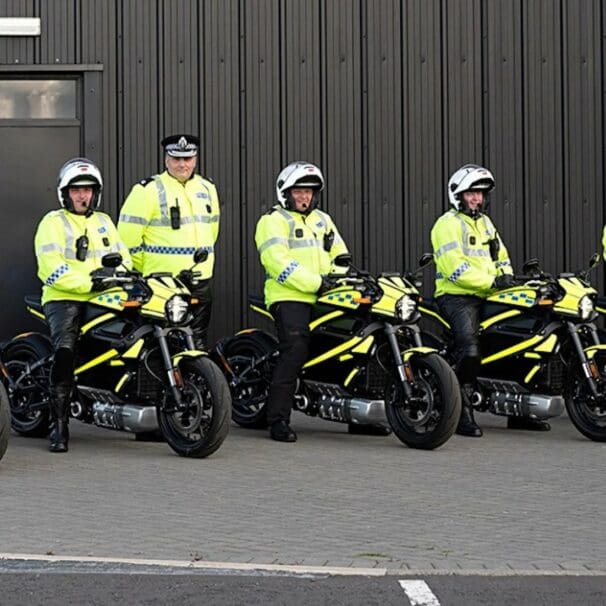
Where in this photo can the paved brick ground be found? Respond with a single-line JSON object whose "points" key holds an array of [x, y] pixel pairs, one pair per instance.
{"points": [[524, 501]]}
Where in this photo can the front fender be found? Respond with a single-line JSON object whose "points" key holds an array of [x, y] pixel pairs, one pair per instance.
{"points": [[417, 351], [592, 350], [189, 353]]}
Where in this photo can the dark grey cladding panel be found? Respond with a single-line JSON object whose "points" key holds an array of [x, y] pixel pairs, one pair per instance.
{"points": [[388, 97]]}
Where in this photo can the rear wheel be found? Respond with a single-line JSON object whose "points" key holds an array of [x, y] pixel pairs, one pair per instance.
{"points": [[29, 393], [250, 358], [198, 426], [587, 414], [429, 418], [5, 420]]}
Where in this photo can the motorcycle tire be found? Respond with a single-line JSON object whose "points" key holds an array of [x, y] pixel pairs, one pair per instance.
{"points": [[431, 418], [199, 428], [16, 356], [249, 399], [5, 420], [591, 424]]}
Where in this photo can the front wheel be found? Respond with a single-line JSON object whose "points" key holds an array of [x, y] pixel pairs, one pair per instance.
{"points": [[587, 414], [5, 420], [198, 426], [430, 417]]}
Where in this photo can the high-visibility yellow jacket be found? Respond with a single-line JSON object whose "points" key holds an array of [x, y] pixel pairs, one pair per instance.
{"points": [[291, 249], [64, 277], [145, 224], [463, 262], [604, 241]]}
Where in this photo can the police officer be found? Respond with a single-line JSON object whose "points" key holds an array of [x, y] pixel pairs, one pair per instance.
{"points": [[69, 245], [471, 262], [165, 218], [297, 244]]}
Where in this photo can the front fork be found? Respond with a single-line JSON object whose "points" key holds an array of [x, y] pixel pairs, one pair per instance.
{"points": [[589, 366], [173, 374], [402, 369]]}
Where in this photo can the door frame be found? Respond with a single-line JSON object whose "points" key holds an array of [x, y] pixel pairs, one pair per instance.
{"points": [[91, 98]]}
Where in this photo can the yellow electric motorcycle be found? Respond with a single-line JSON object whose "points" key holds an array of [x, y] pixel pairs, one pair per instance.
{"points": [[541, 350], [137, 368], [367, 365]]}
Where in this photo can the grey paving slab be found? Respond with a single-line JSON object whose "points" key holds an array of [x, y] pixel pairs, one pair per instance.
{"points": [[527, 501]]}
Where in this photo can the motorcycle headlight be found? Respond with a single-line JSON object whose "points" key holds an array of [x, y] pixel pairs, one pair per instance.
{"points": [[405, 308], [176, 309], [585, 307]]}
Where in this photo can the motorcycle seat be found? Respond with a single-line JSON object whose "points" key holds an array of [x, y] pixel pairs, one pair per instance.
{"points": [[33, 301]]}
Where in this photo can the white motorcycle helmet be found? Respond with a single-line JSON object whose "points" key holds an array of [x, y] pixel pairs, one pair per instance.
{"points": [[470, 177], [79, 172], [298, 174]]}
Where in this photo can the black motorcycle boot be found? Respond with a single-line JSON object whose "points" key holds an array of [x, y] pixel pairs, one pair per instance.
{"points": [[368, 430], [59, 436], [527, 423], [282, 432], [59, 412], [467, 424]]}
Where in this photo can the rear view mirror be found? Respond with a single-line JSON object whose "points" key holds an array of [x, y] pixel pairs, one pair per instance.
{"points": [[343, 260], [200, 255], [531, 267], [426, 259], [595, 259], [111, 259]]}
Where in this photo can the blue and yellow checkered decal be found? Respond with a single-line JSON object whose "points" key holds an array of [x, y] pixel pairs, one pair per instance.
{"points": [[517, 298], [110, 298], [342, 299]]}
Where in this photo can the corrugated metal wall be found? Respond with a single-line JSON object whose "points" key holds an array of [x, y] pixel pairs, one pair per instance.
{"points": [[387, 96]]}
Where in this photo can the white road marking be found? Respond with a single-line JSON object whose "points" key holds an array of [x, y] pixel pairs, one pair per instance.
{"points": [[418, 593]]}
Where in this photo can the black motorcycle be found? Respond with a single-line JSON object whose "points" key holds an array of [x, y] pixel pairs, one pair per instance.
{"points": [[540, 348], [367, 365], [137, 368]]}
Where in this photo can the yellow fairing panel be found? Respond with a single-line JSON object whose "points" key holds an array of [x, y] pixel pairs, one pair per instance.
{"points": [[533, 371], [393, 289], [575, 290], [108, 355], [133, 351], [514, 349], [335, 351], [326, 318], [351, 376], [548, 345], [518, 296], [95, 322], [364, 347], [163, 289]]}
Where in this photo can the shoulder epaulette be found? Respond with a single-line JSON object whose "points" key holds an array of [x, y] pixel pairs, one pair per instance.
{"points": [[273, 209], [145, 182]]}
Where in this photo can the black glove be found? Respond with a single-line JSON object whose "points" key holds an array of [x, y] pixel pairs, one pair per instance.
{"points": [[100, 278], [328, 282], [186, 277], [503, 281]]}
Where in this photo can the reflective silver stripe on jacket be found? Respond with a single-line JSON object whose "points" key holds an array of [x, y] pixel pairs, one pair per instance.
{"points": [[298, 242], [133, 219], [70, 246], [445, 248], [271, 242], [162, 198], [473, 252]]}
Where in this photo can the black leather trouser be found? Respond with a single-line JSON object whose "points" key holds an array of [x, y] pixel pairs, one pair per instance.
{"points": [[463, 313], [202, 291], [292, 323], [63, 319]]}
